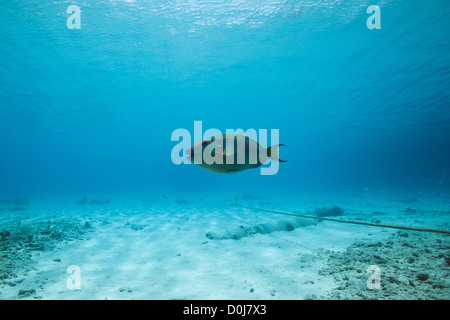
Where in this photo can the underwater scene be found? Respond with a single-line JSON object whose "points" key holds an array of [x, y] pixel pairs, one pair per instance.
{"points": [[225, 150]]}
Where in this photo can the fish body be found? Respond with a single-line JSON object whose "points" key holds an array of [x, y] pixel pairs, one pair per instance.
{"points": [[231, 153]]}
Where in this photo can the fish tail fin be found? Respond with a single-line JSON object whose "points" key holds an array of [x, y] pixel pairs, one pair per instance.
{"points": [[272, 152]]}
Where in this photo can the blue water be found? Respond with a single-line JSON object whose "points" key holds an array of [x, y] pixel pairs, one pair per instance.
{"points": [[87, 178], [93, 110]]}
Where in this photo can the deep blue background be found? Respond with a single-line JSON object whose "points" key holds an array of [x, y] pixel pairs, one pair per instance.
{"points": [[93, 110]]}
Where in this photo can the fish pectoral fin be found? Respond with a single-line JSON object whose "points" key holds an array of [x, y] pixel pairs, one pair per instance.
{"points": [[225, 152]]}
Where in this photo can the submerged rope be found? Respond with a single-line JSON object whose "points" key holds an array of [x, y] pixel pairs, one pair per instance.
{"points": [[346, 221]]}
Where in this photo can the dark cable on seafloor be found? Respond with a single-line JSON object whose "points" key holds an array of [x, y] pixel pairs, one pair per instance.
{"points": [[346, 221]]}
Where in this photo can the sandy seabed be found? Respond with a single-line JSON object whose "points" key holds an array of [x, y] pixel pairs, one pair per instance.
{"points": [[180, 246]]}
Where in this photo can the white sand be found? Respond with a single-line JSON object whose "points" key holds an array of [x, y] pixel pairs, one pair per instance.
{"points": [[157, 249]]}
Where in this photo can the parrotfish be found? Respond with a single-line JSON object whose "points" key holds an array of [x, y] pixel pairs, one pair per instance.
{"points": [[231, 153]]}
